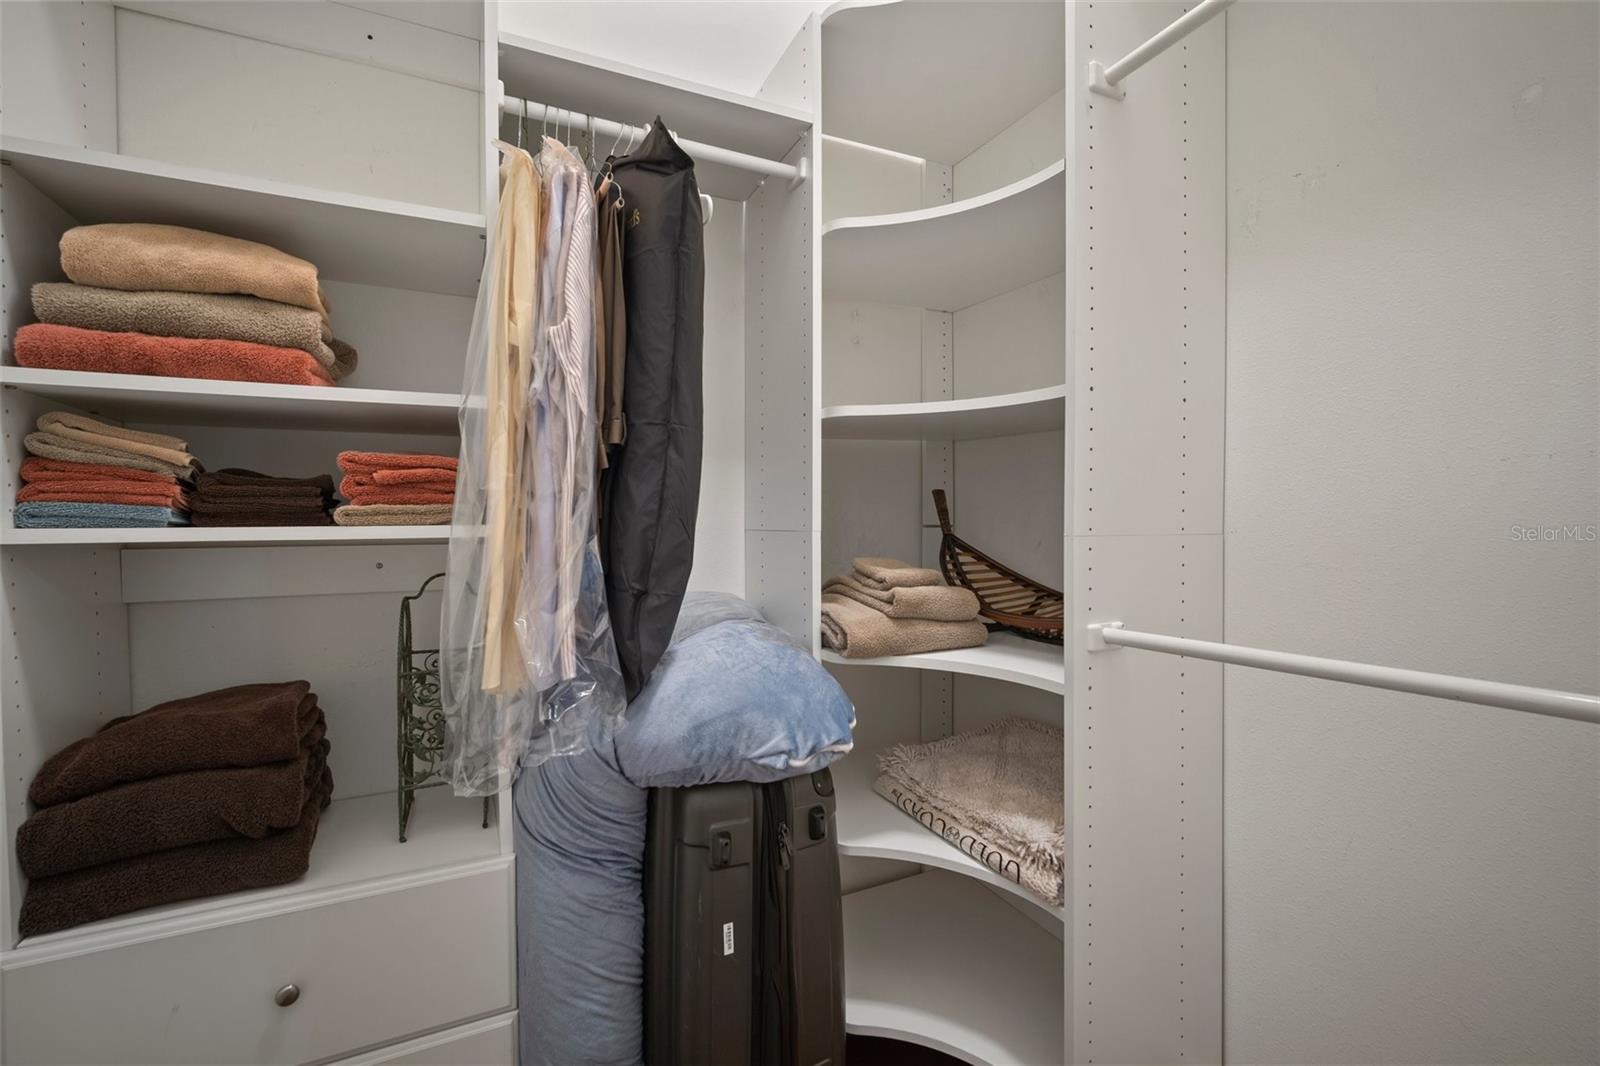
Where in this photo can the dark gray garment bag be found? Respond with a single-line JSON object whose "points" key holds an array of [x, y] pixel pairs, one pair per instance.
{"points": [[652, 487]]}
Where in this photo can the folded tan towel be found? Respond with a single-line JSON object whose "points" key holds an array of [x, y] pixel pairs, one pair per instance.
{"points": [[883, 573], [85, 430], [939, 603], [393, 514], [202, 316], [856, 631], [139, 256], [995, 793], [55, 446]]}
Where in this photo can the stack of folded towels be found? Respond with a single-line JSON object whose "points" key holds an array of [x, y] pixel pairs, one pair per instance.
{"points": [[85, 473], [888, 607], [178, 302], [236, 497], [391, 489], [200, 796]]}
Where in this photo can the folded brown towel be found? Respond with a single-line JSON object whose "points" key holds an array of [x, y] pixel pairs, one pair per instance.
{"points": [[260, 518], [190, 872], [940, 603], [856, 631], [141, 257], [883, 573], [201, 316], [170, 811], [393, 514], [246, 725], [55, 446], [85, 430], [238, 483]]}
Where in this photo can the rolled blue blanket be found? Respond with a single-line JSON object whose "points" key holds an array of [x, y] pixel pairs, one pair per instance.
{"points": [[40, 515]]}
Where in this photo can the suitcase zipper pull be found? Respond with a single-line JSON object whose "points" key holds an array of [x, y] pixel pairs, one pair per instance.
{"points": [[785, 848]]}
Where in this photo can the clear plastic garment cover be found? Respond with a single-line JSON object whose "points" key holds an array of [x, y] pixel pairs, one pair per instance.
{"points": [[527, 659]]}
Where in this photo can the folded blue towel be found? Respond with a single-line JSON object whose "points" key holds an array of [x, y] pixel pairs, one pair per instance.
{"points": [[39, 515]]}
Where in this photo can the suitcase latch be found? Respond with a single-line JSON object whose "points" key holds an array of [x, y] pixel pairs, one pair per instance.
{"points": [[817, 822], [721, 849]]}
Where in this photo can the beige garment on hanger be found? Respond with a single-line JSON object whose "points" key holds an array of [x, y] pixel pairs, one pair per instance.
{"points": [[510, 356]]}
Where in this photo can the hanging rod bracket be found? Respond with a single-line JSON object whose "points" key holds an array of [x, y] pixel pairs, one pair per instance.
{"points": [[1099, 84], [802, 171], [1095, 636]]}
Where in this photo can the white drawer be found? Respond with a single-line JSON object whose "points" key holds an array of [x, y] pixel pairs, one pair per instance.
{"points": [[489, 1042], [369, 971]]}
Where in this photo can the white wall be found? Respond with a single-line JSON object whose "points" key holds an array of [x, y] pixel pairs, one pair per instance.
{"points": [[691, 40], [1412, 277]]}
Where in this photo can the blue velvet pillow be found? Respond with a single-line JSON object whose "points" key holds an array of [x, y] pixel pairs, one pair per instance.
{"points": [[734, 698]]}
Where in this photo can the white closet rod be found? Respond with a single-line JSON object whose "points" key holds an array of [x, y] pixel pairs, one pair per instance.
{"points": [[1576, 706], [705, 153], [1107, 81]]}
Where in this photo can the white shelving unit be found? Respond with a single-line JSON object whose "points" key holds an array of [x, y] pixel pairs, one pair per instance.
{"points": [[954, 255], [943, 263], [938, 960], [192, 401], [362, 239], [1006, 657], [1033, 411]]}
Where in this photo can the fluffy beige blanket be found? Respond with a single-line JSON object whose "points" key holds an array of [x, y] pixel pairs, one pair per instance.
{"points": [[996, 793]]}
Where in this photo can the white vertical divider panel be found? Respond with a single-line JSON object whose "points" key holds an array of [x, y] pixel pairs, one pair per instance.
{"points": [[938, 472], [782, 404], [63, 673], [1147, 254]]}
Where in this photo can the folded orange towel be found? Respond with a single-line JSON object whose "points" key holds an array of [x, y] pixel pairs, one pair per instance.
{"points": [[371, 462], [51, 471], [436, 481], [416, 475], [50, 347], [399, 494], [128, 494]]}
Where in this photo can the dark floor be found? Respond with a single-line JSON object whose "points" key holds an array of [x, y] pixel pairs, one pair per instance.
{"points": [[875, 1051]]}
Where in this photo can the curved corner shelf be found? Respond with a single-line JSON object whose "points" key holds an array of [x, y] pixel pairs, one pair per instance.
{"points": [[937, 80], [940, 961], [362, 239], [203, 402], [1006, 658], [954, 255], [1006, 415], [871, 827]]}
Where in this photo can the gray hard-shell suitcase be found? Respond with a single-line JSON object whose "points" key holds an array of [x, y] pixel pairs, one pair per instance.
{"points": [[743, 955]]}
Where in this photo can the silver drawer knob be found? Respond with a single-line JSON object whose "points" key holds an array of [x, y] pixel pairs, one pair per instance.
{"points": [[286, 995]]}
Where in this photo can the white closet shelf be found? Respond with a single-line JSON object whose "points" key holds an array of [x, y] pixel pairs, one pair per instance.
{"points": [[1033, 411], [356, 853], [361, 239], [197, 402], [589, 84], [940, 961], [216, 536], [871, 827], [954, 255], [937, 80], [1005, 657]]}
